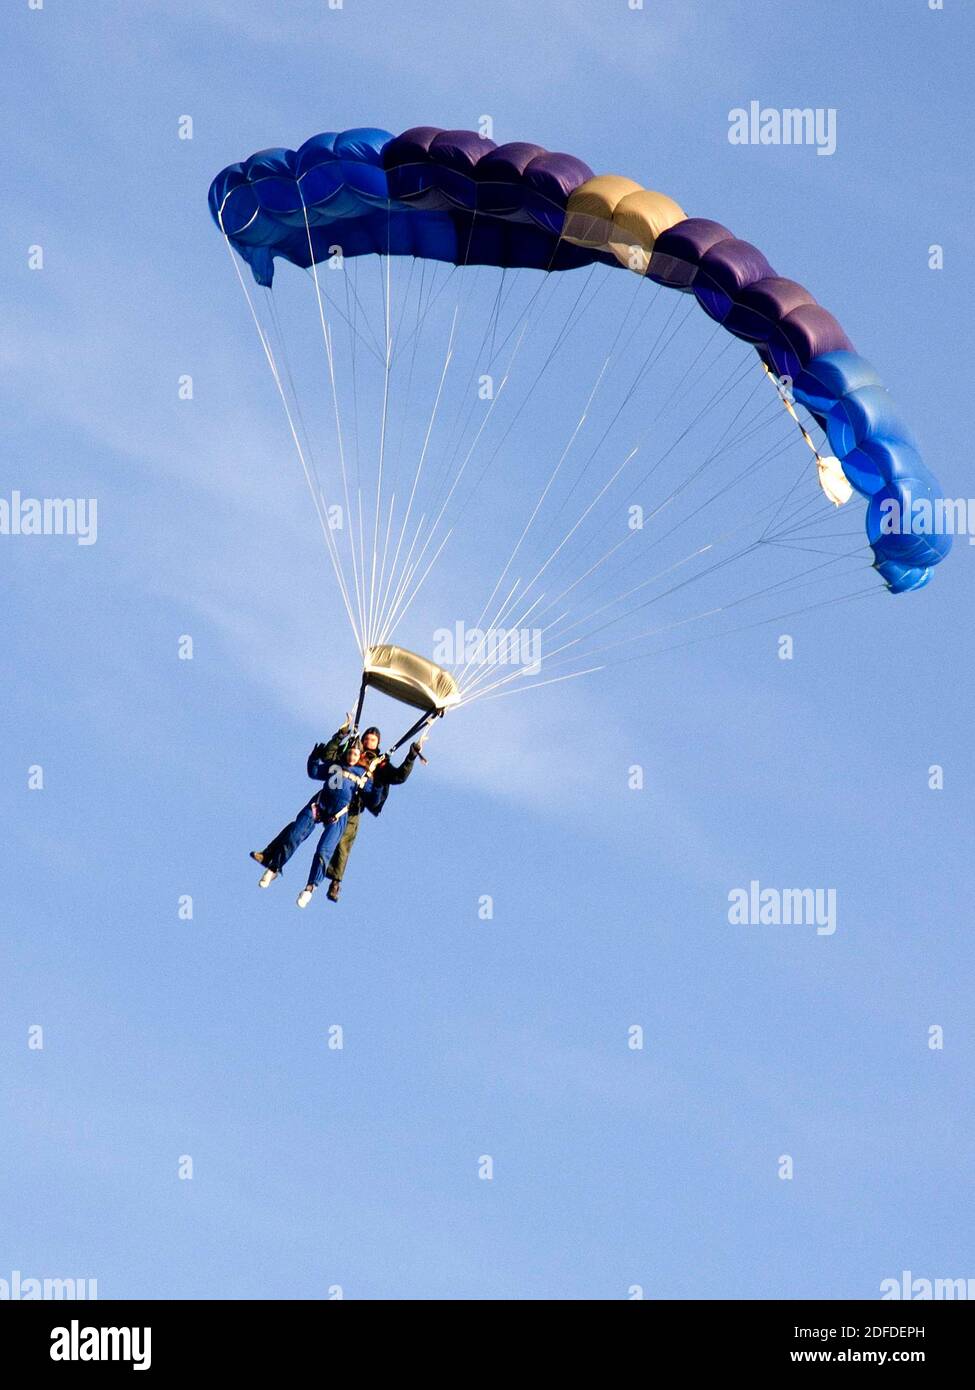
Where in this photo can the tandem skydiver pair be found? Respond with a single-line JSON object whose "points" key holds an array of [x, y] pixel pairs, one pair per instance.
{"points": [[356, 776]]}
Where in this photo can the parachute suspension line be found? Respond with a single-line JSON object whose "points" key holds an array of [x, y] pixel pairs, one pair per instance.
{"points": [[448, 468], [382, 428], [412, 371], [572, 318], [639, 444], [431, 301], [810, 511], [739, 372], [389, 525], [397, 611], [515, 675], [640, 441], [800, 528], [569, 323], [800, 476], [419, 585], [409, 382], [462, 418], [632, 454], [718, 448], [647, 362], [747, 471], [832, 479], [362, 552], [726, 344], [385, 545], [448, 357], [815, 549], [872, 589], [705, 347], [349, 317], [316, 499], [694, 641], [707, 613], [461, 679], [385, 618], [377, 623], [826, 474], [523, 616], [561, 460], [784, 585], [753, 546], [296, 399], [406, 300], [360, 311], [733, 379], [731, 382], [380, 590], [747, 522], [644, 583], [330, 358], [352, 306], [280, 347], [660, 345], [395, 589], [788, 581], [383, 622], [394, 597], [619, 617], [393, 592], [700, 550], [553, 680]]}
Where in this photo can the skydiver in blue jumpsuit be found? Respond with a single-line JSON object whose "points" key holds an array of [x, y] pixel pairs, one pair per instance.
{"points": [[344, 776]]}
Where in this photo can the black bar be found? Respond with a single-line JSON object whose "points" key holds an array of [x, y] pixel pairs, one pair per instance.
{"points": [[731, 1338], [358, 708]]}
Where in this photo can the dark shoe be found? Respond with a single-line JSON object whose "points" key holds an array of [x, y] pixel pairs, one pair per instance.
{"points": [[334, 888], [258, 854]]}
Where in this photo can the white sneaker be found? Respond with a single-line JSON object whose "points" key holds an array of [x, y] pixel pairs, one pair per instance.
{"points": [[266, 878], [304, 897]]}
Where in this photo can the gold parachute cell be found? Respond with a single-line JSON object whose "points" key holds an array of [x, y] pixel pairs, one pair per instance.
{"points": [[409, 678]]}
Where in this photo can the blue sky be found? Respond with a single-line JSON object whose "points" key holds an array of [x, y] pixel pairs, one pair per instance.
{"points": [[162, 1037]]}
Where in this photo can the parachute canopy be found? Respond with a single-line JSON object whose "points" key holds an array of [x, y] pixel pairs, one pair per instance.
{"points": [[409, 678], [456, 196], [464, 369]]}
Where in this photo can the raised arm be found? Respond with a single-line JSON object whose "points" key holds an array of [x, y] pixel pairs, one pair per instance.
{"points": [[396, 776], [323, 755]]}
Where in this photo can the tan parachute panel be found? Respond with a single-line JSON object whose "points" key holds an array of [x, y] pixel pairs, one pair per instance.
{"points": [[589, 211], [409, 678], [614, 214]]}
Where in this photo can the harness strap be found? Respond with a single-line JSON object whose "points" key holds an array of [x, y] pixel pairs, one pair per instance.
{"points": [[421, 723], [358, 708]]}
